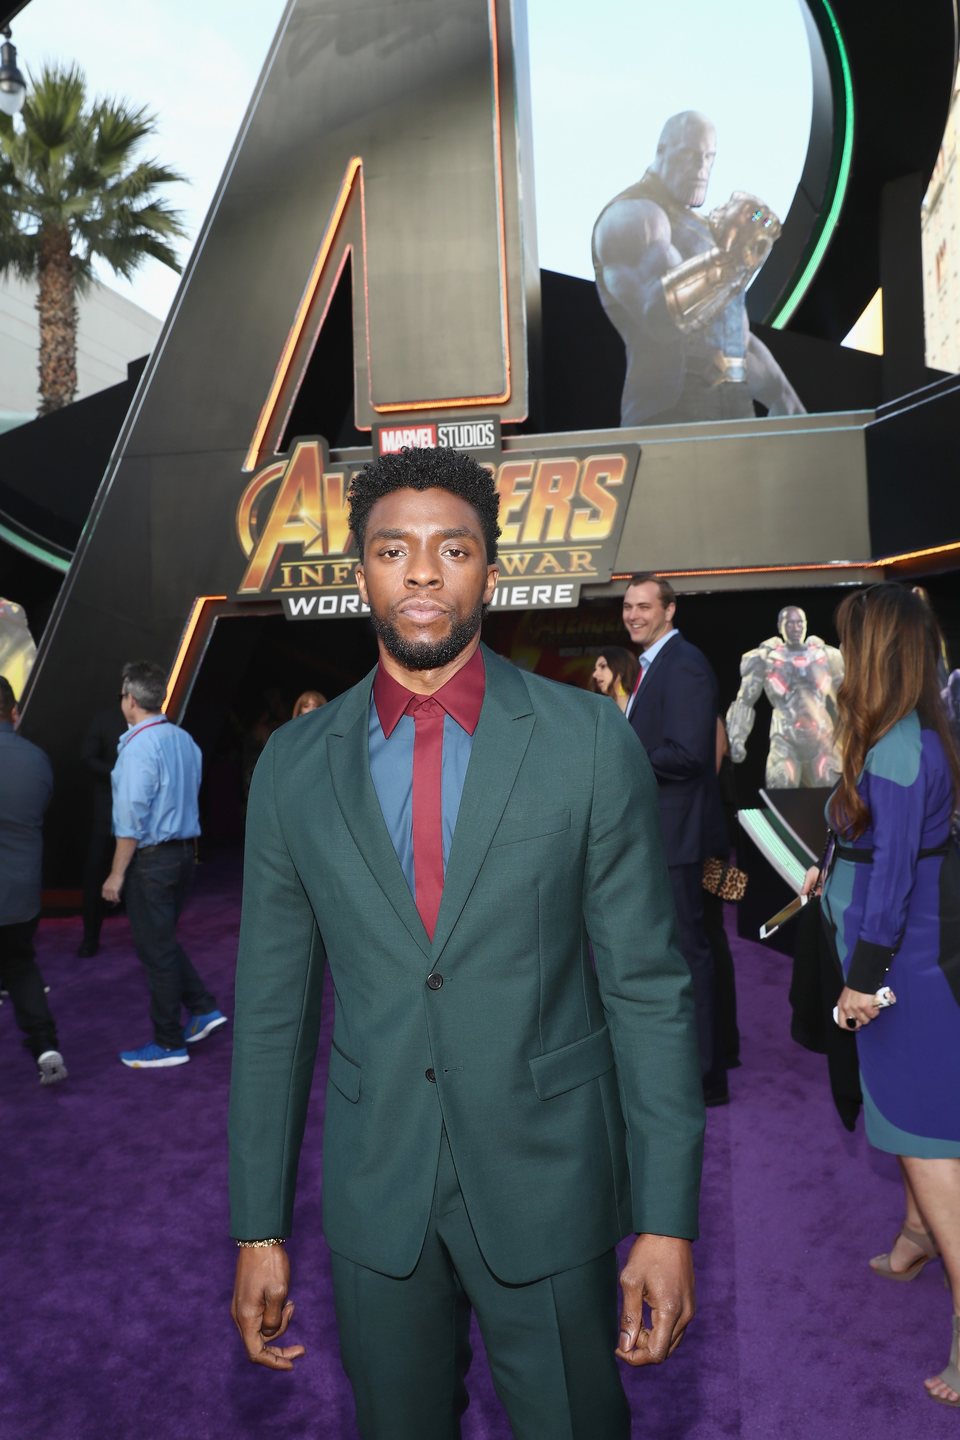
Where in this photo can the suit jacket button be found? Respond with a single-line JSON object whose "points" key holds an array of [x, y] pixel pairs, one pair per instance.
{"points": [[431, 1075], [434, 981]]}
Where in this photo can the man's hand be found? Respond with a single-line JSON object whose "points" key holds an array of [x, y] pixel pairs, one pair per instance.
{"points": [[659, 1269], [123, 853], [112, 887], [260, 1309]]}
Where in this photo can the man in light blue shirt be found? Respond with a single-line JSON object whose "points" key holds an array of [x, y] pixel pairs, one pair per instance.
{"points": [[155, 784]]}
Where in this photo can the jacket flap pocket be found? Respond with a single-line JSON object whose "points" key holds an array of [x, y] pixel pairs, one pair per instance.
{"points": [[573, 1065], [531, 827], [345, 1074]]}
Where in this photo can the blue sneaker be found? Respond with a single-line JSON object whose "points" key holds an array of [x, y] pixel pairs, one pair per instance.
{"points": [[201, 1026], [153, 1057]]}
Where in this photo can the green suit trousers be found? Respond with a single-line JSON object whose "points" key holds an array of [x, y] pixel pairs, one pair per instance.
{"points": [[405, 1342]]}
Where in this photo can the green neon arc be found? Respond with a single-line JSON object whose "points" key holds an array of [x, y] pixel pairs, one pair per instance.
{"points": [[829, 223], [36, 552]]}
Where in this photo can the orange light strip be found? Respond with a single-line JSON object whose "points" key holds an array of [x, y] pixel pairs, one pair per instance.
{"points": [[190, 629], [883, 561], [268, 412]]}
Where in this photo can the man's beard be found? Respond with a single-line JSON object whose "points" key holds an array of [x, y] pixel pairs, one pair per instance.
{"points": [[428, 654]]}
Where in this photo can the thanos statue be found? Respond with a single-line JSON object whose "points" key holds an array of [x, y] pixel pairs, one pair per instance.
{"points": [[799, 674], [673, 282]]}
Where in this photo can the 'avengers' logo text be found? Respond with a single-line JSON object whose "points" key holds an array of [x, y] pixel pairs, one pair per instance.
{"points": [[560, 517]]}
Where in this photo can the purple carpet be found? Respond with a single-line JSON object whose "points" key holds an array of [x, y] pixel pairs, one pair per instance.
{"points": [[117, 1270]]}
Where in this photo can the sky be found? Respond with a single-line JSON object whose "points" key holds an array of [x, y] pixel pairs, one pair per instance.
{"points": [[604, 77]]}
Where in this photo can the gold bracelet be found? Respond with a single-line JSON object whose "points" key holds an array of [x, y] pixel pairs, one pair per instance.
{"points": [[259, 1244]]}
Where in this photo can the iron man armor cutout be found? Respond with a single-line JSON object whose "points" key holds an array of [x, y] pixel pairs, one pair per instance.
{"points": [[799, 675]]}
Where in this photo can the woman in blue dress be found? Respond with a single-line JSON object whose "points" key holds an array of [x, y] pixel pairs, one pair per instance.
{"points": [[892, 812]]}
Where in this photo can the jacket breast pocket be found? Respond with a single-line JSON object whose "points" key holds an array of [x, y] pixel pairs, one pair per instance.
{"points": [[561, 1070], [345, 1075], [531, 827]]}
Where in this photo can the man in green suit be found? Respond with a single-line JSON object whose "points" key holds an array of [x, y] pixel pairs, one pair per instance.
{"points": [[450, 837]]}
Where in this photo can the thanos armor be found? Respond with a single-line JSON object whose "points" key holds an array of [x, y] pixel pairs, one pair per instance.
{"points": [[673, 282]]}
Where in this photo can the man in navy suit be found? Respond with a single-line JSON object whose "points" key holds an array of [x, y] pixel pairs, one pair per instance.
{"points": [[673, 710]]}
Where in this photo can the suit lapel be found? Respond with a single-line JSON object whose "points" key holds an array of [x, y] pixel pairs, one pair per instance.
{"points": [[654, 675], [348, 750], [499, 744]]}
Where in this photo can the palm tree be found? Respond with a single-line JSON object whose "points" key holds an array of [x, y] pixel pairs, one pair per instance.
{"points": [[72, 189]]}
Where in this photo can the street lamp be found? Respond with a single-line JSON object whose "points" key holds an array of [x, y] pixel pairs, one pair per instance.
{"points": [[13, 87]]}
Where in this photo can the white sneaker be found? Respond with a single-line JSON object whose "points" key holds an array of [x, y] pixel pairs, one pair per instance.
{"points": [[51, 1067]]}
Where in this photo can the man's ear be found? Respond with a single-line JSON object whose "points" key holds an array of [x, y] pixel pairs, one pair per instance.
{"points": [[361, 583], [15, 716], [493, 575]]}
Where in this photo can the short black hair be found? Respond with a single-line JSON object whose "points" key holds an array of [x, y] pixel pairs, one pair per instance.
{"points": [[413, 469]]}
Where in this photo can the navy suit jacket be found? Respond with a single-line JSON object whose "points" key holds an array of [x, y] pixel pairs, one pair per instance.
{"points": [[675, 716], [26, 784]]}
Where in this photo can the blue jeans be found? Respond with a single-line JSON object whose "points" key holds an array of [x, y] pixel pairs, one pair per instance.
{"points": [[158, 882]]}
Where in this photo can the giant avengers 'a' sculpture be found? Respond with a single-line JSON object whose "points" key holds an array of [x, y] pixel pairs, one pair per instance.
{"points": [[672, 282], [800, 674]]}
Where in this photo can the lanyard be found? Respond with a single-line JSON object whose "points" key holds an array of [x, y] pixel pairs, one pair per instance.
{"points": [[163, 721]]}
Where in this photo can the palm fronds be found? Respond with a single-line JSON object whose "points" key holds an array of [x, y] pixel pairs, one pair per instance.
{"points": [[73, 189]]}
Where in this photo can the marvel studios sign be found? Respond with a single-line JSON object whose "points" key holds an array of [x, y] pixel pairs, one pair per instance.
{"points": [[478, 436]]}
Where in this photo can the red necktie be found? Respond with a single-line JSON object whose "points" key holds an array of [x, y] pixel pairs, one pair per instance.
{"points": [[428, 717]]}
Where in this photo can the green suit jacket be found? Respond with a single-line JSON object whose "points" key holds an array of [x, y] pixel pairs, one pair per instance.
{"points": [[571, 1094]]}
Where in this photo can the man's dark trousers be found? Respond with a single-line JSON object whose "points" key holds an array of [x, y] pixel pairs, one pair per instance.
{"points": [[687, 884], [98, 750], [21, 978], [157, 885], [674, 716], [96, 868]]}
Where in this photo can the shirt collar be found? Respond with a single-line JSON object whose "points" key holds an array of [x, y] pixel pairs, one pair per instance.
{"points": [[650, 654], [461, 697], [159, 719]]}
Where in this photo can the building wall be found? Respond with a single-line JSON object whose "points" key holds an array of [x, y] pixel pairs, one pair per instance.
{"points": [[112, 331], [941, 252]]}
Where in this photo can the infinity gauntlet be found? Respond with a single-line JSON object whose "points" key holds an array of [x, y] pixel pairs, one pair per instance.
{"points": [[744, 231]]}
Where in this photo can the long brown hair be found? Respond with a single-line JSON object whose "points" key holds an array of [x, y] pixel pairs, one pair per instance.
{"points": [[891, 643], [624, 666]]}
